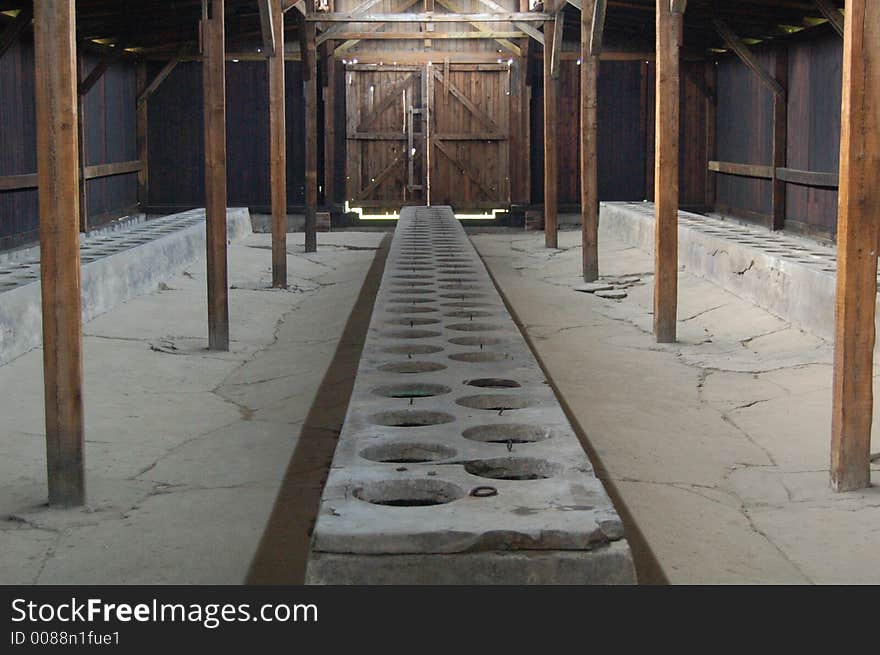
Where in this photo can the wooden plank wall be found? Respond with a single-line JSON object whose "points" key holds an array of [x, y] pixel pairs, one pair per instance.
{"points": [[744, 135], [626, 100], [111, 137], [815, 82], [744, 132], [109, 116], [176, 142], [18, 141]]}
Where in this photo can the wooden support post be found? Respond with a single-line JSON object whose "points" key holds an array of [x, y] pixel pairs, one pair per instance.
{"points": [[278, 148], [214, 83], [310, 93], [142, 143], [589, 136], [858, 234], [551, 86], [666, 130], [711, 106], [780, 139], [57, 171], [330, 128], [81, 136]]}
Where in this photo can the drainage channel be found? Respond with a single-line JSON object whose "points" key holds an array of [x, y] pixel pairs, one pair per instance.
{"points": [[456, 463]]}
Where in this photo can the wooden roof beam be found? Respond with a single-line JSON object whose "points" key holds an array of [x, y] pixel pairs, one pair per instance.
{"points": [[267, 27], [15, 28], [835, 18], [507, 17], [732, 41]]}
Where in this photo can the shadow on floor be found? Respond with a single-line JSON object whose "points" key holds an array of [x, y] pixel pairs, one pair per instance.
{"points": [[284, 548]]}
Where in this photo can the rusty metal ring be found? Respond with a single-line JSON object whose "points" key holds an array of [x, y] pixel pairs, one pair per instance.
{"points": [[484, 492]]}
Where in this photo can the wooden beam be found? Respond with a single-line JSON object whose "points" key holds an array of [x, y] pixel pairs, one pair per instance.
{"points": [[666, 134], [330, 127], [267, 29], [551, 164], [150, 88], [116, 168], [58, 172], [732, 41], [362, 9], [589, 148], [531, 30], [597, 26], [14, 29], [141, 127], [100, 68], [556, 50], [505, 17], [858, 235], [214, 83], [808, 178], [18, 182], [780, 136], [374, 28], [278, 148], [452, 6], [829, 11], [416, 36], [82, 148], [743, 170], [310, 94]]}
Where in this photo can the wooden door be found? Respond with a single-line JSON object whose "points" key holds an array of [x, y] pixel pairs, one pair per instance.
{"points": [[385, 124], [470, 136]]}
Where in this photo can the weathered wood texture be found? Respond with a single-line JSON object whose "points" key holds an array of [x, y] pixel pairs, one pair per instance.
{"points": [[310, 95], [57, 170], [858, 238], [274, 19], [551, 137], [214, 103], [470, 137], [587, 142], [669, 34]]}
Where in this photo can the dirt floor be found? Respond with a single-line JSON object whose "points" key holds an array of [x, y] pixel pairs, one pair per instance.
{"points": [[716, 448]]}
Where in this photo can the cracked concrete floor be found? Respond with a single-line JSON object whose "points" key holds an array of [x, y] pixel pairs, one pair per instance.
{"points": [[717, 446], [186, 449]]}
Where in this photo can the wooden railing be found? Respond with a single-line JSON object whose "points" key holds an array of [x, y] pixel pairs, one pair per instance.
{"points": [[790, 175]]}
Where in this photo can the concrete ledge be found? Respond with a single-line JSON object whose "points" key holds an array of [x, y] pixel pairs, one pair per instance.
{"points": [[116, 266], [792, 277], [609, 564]]}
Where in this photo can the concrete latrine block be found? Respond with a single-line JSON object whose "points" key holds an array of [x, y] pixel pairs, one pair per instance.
{"points": [[456, 463], [322, 221], [534, 220]]}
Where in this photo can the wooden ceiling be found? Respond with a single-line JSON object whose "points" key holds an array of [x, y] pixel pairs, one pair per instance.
{"points": [[155, 26]]}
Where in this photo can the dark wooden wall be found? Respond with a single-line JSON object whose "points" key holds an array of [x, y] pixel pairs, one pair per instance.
{"points": [[814, 96], [18, 209], [744, 133], [625, 115], [110, 137], [744, 127], [175, 137], [622, 133]]}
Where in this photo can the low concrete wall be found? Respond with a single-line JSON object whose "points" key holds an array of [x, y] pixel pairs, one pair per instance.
{"points": [[787, 275], [116, 266]]}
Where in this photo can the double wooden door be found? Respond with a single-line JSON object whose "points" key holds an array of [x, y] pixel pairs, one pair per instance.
{"points": [[435, 133]]}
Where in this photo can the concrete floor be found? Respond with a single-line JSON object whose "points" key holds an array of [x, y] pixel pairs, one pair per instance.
{"points": [[715, 447], [208, 468], [187, 451]]}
